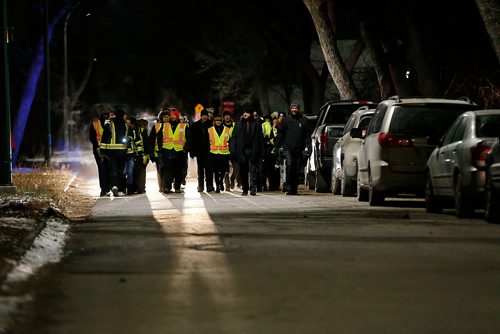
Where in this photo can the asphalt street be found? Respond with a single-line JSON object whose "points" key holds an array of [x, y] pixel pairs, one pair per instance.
{"points": [[224, 263]]}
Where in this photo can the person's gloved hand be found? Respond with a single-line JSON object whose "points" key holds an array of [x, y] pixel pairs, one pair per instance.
{"points": [[145, 159]]}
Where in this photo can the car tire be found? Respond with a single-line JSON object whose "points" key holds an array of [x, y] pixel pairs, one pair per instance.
{"points": [[375, 197], [347, 187], [432, 203], [362, 192], [321, 183], [463, 207], [491, 198]]}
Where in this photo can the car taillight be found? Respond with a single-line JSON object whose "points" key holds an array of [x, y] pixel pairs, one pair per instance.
{"points": [[323, 139], [361, 102], [393, 140], [478, 154]]}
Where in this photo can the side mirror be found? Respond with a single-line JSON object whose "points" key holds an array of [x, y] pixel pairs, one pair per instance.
{"points": [[357, 133]]}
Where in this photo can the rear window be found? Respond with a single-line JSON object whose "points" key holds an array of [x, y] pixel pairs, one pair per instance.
{"points": [[488, 126], [423, 120], [335, 132], [340, 114]]}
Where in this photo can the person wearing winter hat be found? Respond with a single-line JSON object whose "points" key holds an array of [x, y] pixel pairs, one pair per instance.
{"points": [[294, 138], [246, 146], [114, 148], [200, 149], [219, 136], [163, 117], [95, 135], [173, 140]]}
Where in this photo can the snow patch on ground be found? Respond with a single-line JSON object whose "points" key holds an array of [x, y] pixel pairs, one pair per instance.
{"points": [[47, 248]]}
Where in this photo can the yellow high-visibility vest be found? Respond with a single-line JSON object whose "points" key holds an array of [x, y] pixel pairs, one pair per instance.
{"points": [[113, 145], [219, 144], [174, 139]]}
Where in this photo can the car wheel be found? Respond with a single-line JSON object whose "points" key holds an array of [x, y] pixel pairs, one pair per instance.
{"points": [[375, 197], [362, 192], [432, 204], [463, 208], [321, 184], [311, 180], [491, 211], [347, 188], [335, 184]]}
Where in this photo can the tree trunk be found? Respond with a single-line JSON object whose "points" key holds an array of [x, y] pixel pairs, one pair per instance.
{"points": [[490, 13], [385, 84], [338, 71]]}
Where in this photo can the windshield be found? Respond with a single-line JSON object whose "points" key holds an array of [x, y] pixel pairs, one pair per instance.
{"points": [[424, 120], [488, 126]]}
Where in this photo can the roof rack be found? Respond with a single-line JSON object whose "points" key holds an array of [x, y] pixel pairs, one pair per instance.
{"points": [[395, 98]]}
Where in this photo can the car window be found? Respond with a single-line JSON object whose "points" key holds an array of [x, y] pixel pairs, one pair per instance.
{"points": [[449, 135], [350, 124], [458, 135], [488, 126], [335, 132], [340, 114], [377, 120], [364, 122], [423, 120]]}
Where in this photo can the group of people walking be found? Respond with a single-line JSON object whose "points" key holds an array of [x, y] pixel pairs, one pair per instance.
{"points": [[247, 153]]}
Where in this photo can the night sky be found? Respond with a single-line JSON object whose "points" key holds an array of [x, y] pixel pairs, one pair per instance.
{"points": [[145, 50]]}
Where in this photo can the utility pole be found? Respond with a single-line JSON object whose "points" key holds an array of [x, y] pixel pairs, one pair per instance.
{"points": [[48, 149], [66, 99], [6, 185]]}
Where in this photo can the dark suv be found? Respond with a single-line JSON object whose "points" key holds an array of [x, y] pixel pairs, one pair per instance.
{"points": [[318, 168]]}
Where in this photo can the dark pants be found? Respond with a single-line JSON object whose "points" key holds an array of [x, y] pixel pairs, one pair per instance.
{"points": [[140, 177], [293, 161], [173, 166], [248, 174], [102, 170], [205, 174], [116, 166], [272, 173], [220, 166]]}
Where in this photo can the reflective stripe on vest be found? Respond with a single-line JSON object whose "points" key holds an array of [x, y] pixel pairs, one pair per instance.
{"points": [[98, 130], [113, 145], [218, 144], [175, 140]]}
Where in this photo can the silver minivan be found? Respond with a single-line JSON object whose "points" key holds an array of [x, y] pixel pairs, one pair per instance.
{"points": [[392, 158]]}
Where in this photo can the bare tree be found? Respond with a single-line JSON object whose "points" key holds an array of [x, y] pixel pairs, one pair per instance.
{"points": [[327, 38], [490, 13]]}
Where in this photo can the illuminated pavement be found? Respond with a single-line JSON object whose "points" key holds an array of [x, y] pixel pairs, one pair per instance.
{"points": [[223, 263]]}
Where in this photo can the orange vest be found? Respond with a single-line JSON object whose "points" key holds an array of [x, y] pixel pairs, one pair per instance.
{"points": [[98, 130], [219, 144], [174, 140]]}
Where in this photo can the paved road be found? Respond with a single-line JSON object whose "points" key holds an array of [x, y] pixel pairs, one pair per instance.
{"points": [[223, 263]]}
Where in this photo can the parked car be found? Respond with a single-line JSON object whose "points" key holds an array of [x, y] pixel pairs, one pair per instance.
{"points": [[455, 171], [492, 188], [345, 153], [318, 168], [392, 157]]}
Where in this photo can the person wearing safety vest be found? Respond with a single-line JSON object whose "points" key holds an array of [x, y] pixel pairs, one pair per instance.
{"points": [[135, 151], [173, 141], [232, 174], [219, 136], [270, 179], [95, 135], [140, 171], [163, 117], [113, 148]]}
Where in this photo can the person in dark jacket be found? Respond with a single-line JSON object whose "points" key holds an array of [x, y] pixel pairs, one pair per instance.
{"points": [[95, 136], [113, 148], [294, 138], [246, 145], [200, 148], [140, 172]]}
